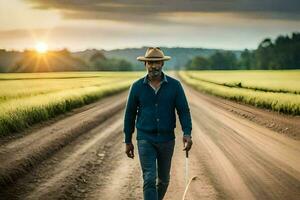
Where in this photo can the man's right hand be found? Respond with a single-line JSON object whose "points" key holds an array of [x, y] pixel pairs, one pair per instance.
{"points": [[187, 142], [129, 150]]}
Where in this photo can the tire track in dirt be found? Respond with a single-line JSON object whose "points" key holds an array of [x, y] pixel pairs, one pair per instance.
{"points": [[124, 181], [59, 176]]}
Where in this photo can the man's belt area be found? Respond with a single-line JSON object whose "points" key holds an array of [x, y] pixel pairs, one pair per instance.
{"points": [[156, 131]]}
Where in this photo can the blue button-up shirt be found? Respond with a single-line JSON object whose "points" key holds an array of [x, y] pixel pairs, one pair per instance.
{"points": [[153, 113]]}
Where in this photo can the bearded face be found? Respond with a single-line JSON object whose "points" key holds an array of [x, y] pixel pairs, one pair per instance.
{"points": [[154, 68]]}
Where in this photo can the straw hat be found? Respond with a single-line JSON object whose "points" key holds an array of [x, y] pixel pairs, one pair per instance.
{"points": [[153, 54]]}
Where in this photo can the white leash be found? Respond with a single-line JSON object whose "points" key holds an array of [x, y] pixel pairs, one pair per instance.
{"points": [[187, 181], [186, 168]]}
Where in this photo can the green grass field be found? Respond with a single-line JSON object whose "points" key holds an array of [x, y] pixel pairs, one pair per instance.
{"points": [[275, 90], [29, 98]]}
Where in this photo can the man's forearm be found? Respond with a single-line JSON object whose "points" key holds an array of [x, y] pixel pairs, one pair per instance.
{"points": [[186, 122], [128, 138], [129, 124], [183, 111]]}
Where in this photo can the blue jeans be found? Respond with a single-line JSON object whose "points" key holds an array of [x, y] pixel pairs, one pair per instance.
{"points": [[155, 159]]}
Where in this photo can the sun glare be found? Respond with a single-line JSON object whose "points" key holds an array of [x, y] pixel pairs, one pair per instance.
{"points": [[41, 47]]}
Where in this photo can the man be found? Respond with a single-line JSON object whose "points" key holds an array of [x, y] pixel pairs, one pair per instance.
{"points": [[153, 99]]}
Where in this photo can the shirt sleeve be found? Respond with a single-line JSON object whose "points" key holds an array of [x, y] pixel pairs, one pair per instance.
{"points": [[130, 114], [183, 111]]}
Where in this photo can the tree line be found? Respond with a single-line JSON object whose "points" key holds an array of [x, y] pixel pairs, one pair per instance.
{"points": [[99, 62], [60, 60], [282, 53]]}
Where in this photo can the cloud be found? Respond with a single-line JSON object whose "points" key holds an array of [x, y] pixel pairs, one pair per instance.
{"points": [[154, 11], [228, 35], [119, 23]]}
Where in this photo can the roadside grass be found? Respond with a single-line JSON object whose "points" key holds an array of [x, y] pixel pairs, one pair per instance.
{"points": [[283, 81], [283, 102], [30, 99]]}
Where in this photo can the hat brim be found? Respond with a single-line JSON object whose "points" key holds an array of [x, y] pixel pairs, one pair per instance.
{"points": [[142, 58]]}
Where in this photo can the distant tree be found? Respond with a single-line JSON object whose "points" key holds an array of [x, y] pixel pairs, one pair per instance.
{"points": [[101, 63], [125, 65], [198, 63], [246, 60], [65, 52], [295, 50], [223, 60], [218, 60], [264, 54], [97, 56]]}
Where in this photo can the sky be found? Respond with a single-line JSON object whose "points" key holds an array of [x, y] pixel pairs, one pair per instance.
{"points": [[110, 24]]}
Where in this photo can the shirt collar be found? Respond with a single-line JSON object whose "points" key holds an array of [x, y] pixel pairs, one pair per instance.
{"points": [[164, 79]]}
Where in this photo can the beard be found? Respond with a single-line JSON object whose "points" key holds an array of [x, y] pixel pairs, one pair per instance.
{"points": [[155, 72]]}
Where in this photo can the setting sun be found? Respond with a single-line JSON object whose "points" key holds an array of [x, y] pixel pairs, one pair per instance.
{"points": [[41, 47]]}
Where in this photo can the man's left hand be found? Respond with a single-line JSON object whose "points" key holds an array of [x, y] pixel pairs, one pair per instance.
{"points": [[187, 142]]}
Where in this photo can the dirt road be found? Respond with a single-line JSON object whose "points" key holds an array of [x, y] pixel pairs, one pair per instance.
{"points": [[81, 155]]}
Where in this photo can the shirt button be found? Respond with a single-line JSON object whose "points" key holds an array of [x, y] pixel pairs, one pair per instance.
{"points": [[156, 104], [157, 119]]}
